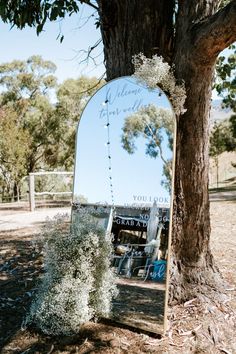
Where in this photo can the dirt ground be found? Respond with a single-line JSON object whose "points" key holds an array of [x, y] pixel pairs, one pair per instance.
{"points": [[197, 326]]}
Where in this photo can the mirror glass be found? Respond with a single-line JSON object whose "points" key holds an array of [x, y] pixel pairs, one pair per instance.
{"points": [[123, 170]]}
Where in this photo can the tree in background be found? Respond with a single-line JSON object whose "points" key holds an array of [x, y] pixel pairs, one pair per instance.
{"points": [[13, 153], [189, 35], [154, 124], [25, 105], [223, 134], [225, 84], [226, 87], [72, 96], [226, 78], [222, 138], [35, 133]]}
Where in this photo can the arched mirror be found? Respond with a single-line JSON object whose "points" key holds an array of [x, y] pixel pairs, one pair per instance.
{"points": [[123, 169]]}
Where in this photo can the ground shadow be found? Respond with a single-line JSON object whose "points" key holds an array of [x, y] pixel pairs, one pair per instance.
{"points": [[20, 267]]}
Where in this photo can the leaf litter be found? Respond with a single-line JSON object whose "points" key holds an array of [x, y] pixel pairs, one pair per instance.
{"points": [[200, 325]]}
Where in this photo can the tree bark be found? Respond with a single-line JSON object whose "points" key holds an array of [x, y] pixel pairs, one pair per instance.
{"points": [[214, 34], [191, 256], [192, 259], [130, 27], [16, 192]]}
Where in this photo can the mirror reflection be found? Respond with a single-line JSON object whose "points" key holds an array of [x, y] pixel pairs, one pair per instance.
{"points": [[123, 172]]}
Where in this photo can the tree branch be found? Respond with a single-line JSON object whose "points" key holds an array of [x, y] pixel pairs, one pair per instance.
{"points": [[214, 34], [88, 2]]}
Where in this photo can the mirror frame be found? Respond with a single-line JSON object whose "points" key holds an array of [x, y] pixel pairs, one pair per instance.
{"points": [[168, 267]]}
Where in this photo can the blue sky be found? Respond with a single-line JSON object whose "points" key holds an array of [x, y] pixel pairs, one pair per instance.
{"points": [[135, 178], [79, 33]]}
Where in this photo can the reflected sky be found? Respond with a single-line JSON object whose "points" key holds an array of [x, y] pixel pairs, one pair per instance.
{"points": [[104, 171]]}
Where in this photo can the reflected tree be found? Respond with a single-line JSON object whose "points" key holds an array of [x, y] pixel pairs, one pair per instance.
{"points": [[154, 124]]}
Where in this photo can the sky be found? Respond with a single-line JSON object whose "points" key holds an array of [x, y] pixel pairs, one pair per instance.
{"points": [[129, 176], [79, 34]]}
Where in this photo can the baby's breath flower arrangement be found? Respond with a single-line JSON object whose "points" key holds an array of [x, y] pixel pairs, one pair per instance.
{"points": [[154, 71], [78, 284]]}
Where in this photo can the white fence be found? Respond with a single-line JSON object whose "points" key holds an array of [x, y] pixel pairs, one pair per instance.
{"points": [[32, 192]]}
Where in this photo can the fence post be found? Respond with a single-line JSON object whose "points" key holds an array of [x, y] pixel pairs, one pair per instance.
{"points": [[31, 192]]}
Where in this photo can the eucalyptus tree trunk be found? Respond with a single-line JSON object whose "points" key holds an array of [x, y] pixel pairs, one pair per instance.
{"points": [[129, 27], [16, 196]]}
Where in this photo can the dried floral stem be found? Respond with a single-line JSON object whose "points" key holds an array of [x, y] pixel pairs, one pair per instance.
{"points": [[79, 283], [155, 72]]}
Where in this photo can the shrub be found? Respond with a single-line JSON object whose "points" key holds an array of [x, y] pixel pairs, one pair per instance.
{"points": [[79, 283]]}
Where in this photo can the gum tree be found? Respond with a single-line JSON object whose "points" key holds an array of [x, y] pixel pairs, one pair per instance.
{"points": [[34, 133], [26, 119], [188, 35]]}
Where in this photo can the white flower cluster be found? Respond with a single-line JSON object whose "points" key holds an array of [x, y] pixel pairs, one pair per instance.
{"points": [[79, 283], [154, 71]]}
